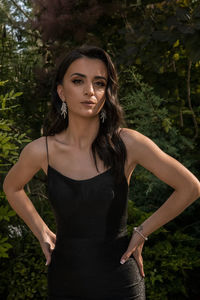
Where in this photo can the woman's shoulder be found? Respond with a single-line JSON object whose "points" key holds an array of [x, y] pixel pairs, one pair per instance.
{"points": [[135, 142], [36, 145], [131, 136], [35, 150]]}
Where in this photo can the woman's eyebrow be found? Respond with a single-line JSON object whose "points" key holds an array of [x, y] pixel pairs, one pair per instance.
{"points": [[96, 77]]}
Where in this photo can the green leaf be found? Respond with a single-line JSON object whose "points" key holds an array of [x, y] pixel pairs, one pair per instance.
{"points": [[17, 94]]}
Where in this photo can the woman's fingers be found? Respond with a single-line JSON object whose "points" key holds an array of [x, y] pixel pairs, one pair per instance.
{"points": [[125, 256], [48, 245], [135, 247], [47, 249], [47, 253], [137, 257], [139, 261], [53, 237], [135, 243]]}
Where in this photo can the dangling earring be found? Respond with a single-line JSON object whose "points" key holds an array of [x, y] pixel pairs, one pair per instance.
{"points": [[64, 109], [103, 115]]}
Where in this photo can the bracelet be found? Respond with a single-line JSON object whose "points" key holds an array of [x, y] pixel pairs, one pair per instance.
{"points": [[144, 237]]}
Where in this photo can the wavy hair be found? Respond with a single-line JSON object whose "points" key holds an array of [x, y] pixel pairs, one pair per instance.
{"points": [[108, 143]]}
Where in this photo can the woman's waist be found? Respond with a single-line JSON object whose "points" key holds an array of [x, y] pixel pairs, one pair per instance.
{"points": [[78, 251], [70, 244], [65, 238]]}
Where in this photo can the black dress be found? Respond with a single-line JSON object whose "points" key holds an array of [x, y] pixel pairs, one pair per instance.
{"points": [[91, 237]]}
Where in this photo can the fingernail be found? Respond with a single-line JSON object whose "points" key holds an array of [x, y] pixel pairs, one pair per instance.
{"points": [[122, 261], [46, 263]]}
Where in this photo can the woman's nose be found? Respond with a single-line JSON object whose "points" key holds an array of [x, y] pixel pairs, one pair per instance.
{"points": [[89, 89]]}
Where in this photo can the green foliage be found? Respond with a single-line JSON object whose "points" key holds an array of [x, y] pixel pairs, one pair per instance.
{"points": [[23, 275], [168, 258], [4, 246], [19, 60], [171, 252], [147, 113], [6, 213], [168, 255], [10, 141], [162, 39], [11, 138], [25, 271], [8, 154]]}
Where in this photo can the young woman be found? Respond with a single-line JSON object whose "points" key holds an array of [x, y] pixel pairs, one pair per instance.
{"points": [[89, 159]]}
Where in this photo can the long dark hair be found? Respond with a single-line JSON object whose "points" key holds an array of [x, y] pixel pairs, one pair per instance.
{"points": [[108, 143]]}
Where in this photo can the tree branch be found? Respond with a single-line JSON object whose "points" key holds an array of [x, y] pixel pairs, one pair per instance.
{"points": [[15, 25], [189, 99], [19, 8]]}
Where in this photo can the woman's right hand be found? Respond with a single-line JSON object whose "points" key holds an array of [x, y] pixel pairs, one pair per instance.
{"points": [[48, 244]]}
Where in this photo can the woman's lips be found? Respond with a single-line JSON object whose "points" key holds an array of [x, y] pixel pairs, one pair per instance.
{"points": [[88, 103]]}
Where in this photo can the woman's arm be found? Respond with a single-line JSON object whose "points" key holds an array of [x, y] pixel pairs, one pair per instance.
{"points": [[186, 186], [30, 162]]}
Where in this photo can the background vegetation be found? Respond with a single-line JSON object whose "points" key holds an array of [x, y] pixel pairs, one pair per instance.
{"points": [[156, 48]]}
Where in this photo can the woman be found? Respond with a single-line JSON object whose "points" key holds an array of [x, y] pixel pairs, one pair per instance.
{"points": [[89, 159]]}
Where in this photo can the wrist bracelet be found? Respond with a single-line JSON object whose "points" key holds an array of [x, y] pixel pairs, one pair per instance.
{"points": [[144, 237]]}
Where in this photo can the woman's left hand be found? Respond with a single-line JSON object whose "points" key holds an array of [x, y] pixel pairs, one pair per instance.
{"points": [[135, 247]]}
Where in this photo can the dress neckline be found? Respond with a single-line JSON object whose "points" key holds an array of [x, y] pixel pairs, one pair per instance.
{"points": [[77, 180]]}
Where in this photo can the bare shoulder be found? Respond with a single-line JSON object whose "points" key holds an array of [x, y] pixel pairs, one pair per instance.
{"points": [[134, 141], [131, 136], [31, 160], [143, 151], [142, 147], [34, 152]]}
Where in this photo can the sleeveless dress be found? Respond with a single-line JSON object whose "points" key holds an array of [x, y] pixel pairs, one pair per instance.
{"points": [[91, 237]]}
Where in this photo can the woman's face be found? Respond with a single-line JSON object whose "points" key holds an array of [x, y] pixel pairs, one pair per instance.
{"points": [[85, 80]]}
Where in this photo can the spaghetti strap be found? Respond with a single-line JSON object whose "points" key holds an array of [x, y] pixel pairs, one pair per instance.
{"points": [[47, 150]]}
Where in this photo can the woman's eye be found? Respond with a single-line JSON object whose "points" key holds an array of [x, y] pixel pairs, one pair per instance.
{"points": [[76, 81], [99, 83]]}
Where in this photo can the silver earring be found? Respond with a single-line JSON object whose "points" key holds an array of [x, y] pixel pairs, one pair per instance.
{"points": [[64, 109], [103, 115]]}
